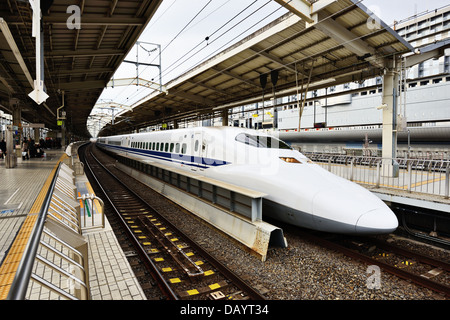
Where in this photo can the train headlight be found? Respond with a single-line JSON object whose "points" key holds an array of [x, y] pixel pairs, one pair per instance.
{"points": [[289, 160]]}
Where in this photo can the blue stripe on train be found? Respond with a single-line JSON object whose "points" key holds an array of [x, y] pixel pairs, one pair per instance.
{"points": [[194, 161]]}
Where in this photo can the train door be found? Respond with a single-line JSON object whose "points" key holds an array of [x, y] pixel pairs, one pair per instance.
{"points": [[198, 151], [127, 145]]}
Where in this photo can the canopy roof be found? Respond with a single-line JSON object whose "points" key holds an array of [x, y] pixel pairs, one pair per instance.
{"points": [[337, 41], [78, 62]]}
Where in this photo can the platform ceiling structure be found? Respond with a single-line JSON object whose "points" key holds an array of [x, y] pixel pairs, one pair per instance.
{"points": [[317, 44], [78, 62]]}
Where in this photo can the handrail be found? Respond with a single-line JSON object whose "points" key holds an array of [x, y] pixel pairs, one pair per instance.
{"points": [[23, 275], [91, 197], [58, 232], [427, 176]]}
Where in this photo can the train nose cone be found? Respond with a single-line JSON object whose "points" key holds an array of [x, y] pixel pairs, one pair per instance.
{"points": [[381, 220]]}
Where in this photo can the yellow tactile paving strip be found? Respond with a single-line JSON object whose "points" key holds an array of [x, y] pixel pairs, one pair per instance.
{"points": [[9, 267]]}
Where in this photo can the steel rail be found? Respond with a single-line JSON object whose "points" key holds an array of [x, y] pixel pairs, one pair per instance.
{"points": [[235, 279], [162, 283], [418, 279]]}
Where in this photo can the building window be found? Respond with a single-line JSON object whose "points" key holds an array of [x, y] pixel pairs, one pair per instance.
{"points": [[421, 69], [447, 64]]}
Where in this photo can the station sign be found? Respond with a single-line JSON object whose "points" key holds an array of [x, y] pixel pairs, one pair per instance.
{"points": [[33, 125]]}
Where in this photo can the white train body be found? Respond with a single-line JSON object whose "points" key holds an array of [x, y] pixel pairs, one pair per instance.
{"points": [[299, 192]]}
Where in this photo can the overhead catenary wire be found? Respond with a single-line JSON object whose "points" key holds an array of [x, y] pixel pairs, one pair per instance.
{"points": [[185, 26], [212, 34], [311, 56], [173, 39], [257, 53], [239, 35], [167, 71]]}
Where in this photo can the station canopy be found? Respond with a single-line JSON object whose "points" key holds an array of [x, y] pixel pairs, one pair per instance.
{"points": [[317, 44], [78, 63]]}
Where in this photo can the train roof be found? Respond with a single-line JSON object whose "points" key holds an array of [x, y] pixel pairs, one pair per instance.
{"points": [[236, 130]]}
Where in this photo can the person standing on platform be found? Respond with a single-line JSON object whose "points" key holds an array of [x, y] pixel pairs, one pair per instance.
{"points": [[2, 148], [25, 150]]}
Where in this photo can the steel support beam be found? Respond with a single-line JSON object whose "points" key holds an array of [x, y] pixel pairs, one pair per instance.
{"points": [[301, 8], [310, 13], [389, 107], [275, 59], [61, 19]]}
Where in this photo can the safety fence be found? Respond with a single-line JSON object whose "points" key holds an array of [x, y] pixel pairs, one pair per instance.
{"points": [[56, 254], [411, 175]]}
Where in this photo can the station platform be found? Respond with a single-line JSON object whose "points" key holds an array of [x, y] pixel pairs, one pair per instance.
{"points": [[110, 275], [423, 184]]}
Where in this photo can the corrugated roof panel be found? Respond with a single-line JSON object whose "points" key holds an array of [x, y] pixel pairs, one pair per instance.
{"points": [[233, 75]]}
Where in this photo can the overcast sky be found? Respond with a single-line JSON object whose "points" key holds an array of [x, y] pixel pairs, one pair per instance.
{"points": [[390, 10], [224, 22]]}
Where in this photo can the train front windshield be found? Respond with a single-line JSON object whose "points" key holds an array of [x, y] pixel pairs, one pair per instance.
{"points": [[261, 141]]}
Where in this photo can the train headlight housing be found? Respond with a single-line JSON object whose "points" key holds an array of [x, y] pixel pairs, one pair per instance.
{"points": [[289, 160]]}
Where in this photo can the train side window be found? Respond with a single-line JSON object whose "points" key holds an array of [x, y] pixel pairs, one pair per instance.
{"points": [[153, 146], [146, 145], [262, 141], [183, 148], [167, 147], [177, 148], [172, 145], [157, 146], [196, 145]]}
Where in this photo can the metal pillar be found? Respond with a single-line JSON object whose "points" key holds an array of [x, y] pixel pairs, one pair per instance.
{"points": [[36, 135], [389, 107], [11, 157], [17, 123], [225, 117]]}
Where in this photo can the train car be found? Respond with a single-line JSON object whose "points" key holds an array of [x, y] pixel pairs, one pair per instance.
{"points": [[299, 192]]}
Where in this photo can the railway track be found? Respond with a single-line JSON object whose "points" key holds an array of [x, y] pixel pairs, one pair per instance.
{"points": [[181, 268], [409, 265]]}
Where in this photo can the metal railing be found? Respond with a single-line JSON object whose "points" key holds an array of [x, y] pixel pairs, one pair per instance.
{"points": [[92, 211], [428, 176], [56, 255]]}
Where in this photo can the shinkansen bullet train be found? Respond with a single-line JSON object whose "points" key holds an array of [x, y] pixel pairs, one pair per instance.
{"points": [[299, 192]]}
